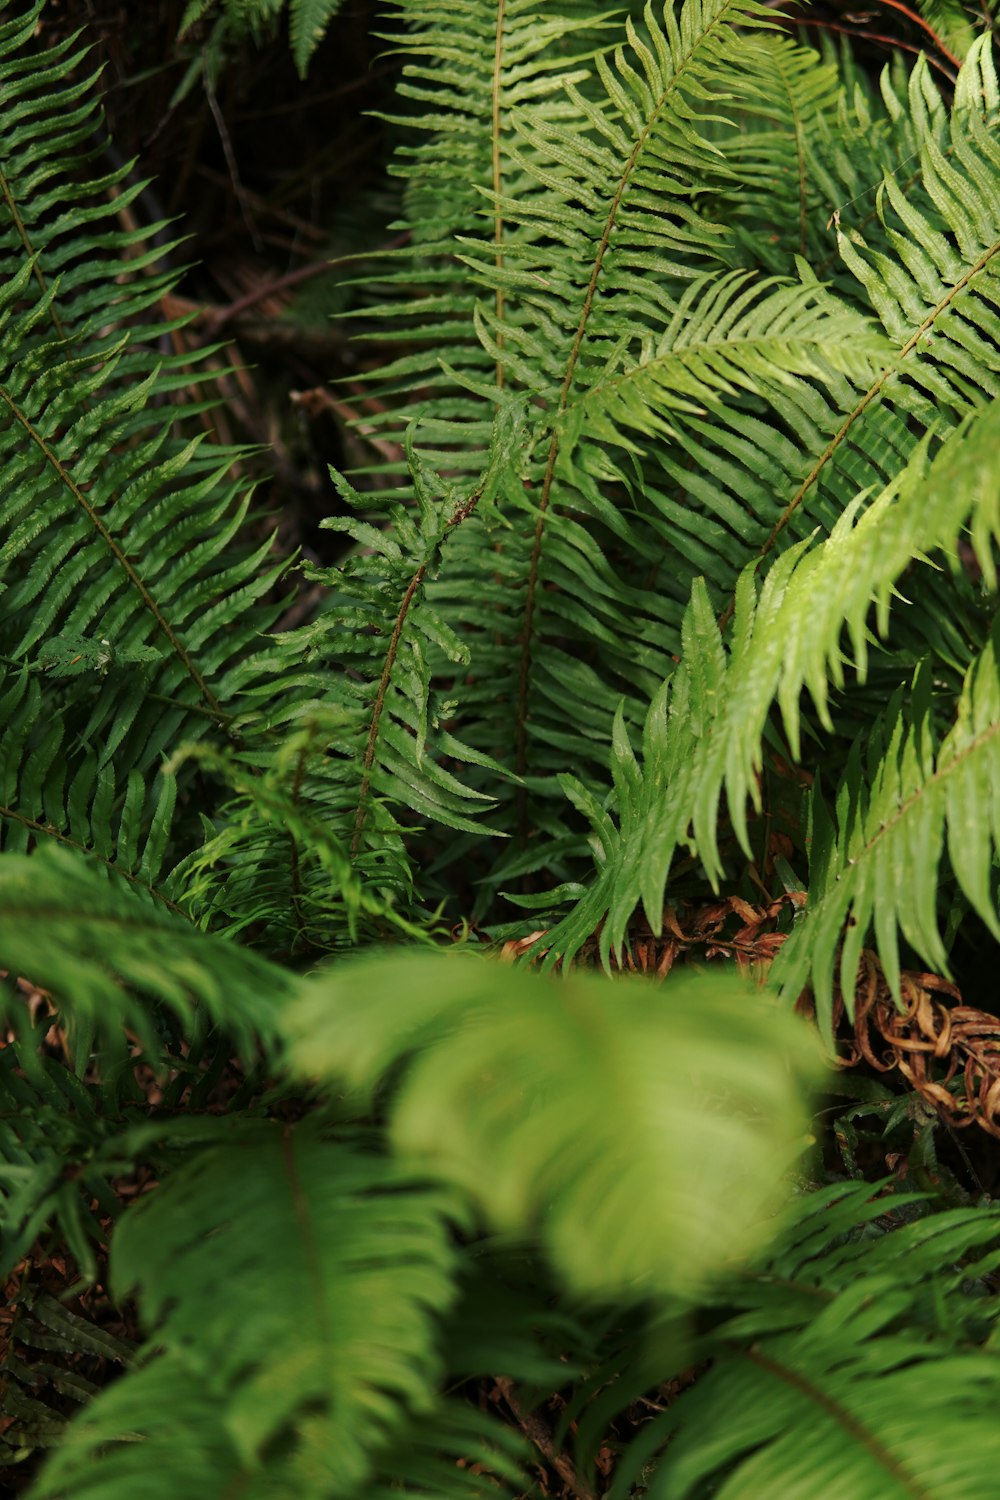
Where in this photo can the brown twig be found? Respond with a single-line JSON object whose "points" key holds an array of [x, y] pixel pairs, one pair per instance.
{"points": [[538, 1433]]}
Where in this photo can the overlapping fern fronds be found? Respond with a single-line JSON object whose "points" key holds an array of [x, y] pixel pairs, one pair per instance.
{"points": [[706, 730], [127, 986], [350, 1399], [878, 863], [695, 440]]}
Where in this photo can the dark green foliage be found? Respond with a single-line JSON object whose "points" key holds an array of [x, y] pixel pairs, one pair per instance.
{"points": [[688, 376]]}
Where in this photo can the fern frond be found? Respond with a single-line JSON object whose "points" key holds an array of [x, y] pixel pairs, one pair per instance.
{"points": [[780, 210], [705, 731], [111, 957], [622, 344], [502, 1071], [257, 19], [51, 1358], [453, 1453], [131, 610], [878, 863], [779, 470], [835, 1376], [467, 72], [751, 470], [336, 1267], [307, 23], [159, 1429], [368, 746], [273, 863], [165, 1428], [56, 1158]]}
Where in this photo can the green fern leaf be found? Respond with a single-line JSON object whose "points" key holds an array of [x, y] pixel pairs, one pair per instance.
{"points": [[307, 23], [336, 1266], [130, 614], [880, 864], [705, 731], [834, 1376], [99, 946]]}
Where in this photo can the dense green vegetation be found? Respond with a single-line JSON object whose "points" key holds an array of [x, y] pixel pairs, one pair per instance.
{"points": [[651, 626]]}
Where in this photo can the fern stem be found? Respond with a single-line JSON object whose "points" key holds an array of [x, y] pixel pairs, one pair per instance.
{"points": [[461, 513], [296, 871], [926, 785], [29, 250], [383, 688], [524, 675], [307, 1230], [498, 224]]}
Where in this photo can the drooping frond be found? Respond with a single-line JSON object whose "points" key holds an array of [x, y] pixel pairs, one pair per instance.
{"points": [[705, 732], [502, 1072], [258, 19], [747, 479], [111, 958], [878, 862]]}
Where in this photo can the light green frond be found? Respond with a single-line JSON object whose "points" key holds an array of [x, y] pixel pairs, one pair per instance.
{"points": [[729, 335], [705, 731], [747, 479], [503, 1069], [879, 861]]}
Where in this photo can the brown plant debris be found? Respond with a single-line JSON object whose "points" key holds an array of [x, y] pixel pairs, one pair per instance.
{"points": [[948, 1053]]}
